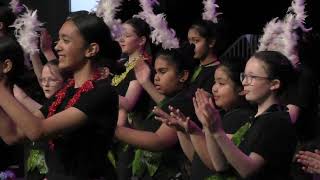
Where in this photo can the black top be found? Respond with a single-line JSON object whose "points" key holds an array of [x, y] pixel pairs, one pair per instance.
{"points": [[304, 94], [231, 122], [272, 136], [80, 152], [205, 79], [172, 160]]}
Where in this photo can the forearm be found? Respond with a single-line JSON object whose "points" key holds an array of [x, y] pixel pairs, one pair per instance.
{"points": [[142, 139], [30, 104], [198, 140], [152, 91], [125, 104], [122, 118], [243, 164], [49, 54], [186, 145], [37, 64], [21, 117], [215, 154]]}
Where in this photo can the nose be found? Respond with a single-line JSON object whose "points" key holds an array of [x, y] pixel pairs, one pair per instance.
{"points": [[214, 88], [57, 46], [156, 77]]}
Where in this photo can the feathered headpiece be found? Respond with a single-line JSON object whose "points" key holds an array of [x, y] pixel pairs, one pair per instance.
{"points": [[107, 9], [16, 7], [26, 27], [160, 33], [210, 13], [281, 36]]}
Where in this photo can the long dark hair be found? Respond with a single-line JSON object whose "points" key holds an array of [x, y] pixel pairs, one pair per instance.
{"points": [[10, 49]]}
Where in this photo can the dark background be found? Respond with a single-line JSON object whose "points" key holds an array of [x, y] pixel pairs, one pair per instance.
{"points": [[241, 16]]}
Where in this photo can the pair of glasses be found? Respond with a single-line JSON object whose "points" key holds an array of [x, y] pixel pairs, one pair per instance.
{"points": [[249, 78], [49, 81]]}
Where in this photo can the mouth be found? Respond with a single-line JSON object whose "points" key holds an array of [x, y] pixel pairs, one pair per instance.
{"points": [[157, 87]]}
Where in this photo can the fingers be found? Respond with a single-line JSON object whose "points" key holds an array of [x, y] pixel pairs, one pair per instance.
{"points": [[159, 112], [176, 113]]}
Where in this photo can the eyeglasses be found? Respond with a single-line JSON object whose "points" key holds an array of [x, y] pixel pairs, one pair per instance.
{"points": [[49, 81], [250, 78]]}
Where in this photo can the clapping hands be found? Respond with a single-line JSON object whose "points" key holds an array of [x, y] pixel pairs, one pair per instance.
{"points": [[310, 161], [205, 110]]}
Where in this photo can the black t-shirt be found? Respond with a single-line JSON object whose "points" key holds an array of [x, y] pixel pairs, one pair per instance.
{"points": [[273, 137], [205, 79], [80, 152], [231, 122], [304, 94]]}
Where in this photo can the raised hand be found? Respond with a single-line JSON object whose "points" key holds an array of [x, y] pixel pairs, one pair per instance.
{"points": [[45, 41], [175, 119], [142, 71], [310, 161], [205, 110]]}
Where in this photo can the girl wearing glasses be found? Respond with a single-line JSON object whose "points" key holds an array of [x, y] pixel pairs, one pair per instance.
{"points": [[266, 144]]}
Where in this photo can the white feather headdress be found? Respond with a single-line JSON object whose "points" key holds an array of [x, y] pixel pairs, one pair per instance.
{"points": [[15, 6], [160, 33], [281, 35], [26, 27], [210, 11], [107, 9]]}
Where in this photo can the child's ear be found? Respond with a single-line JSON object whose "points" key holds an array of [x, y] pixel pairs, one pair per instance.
{"points": [[275, 84], [92, 50], [6, 66], [143, 41], [184, 76], [212, 43]]}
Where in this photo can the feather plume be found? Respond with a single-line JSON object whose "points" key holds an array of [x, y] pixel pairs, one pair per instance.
{"points": [[298, 8], [15, 6], [271, 30], [210, 12], [161, 33], [107, 9], [26, 27]]}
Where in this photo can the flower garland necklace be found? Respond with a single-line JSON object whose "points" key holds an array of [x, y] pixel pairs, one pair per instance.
{"points": [[87, 86]]}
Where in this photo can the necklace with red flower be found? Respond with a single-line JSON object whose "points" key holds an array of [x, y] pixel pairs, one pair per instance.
{"points": [[86, 86]]}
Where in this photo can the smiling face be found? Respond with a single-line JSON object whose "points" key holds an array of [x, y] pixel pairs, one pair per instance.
{"points": [[167, 81], [70, 47]]}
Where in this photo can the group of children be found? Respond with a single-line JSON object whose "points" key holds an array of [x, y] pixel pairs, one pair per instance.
{"points": [[178, 114]]}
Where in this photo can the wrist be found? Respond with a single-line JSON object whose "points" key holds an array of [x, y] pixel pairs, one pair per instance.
{"points": [[49, 55], [191, 127], [218, 134]]}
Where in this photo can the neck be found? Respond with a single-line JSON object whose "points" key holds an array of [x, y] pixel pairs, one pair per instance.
{"points": [[134, 55], [83, 74], [262, 107], [211, 58]]}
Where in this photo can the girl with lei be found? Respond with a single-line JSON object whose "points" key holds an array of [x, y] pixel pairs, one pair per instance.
{"points": [[156, 153], [79, 120], [228, 94], [266, 147]]}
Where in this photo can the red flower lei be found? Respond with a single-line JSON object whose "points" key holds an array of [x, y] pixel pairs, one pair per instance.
{"points": [[87, 86]]}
